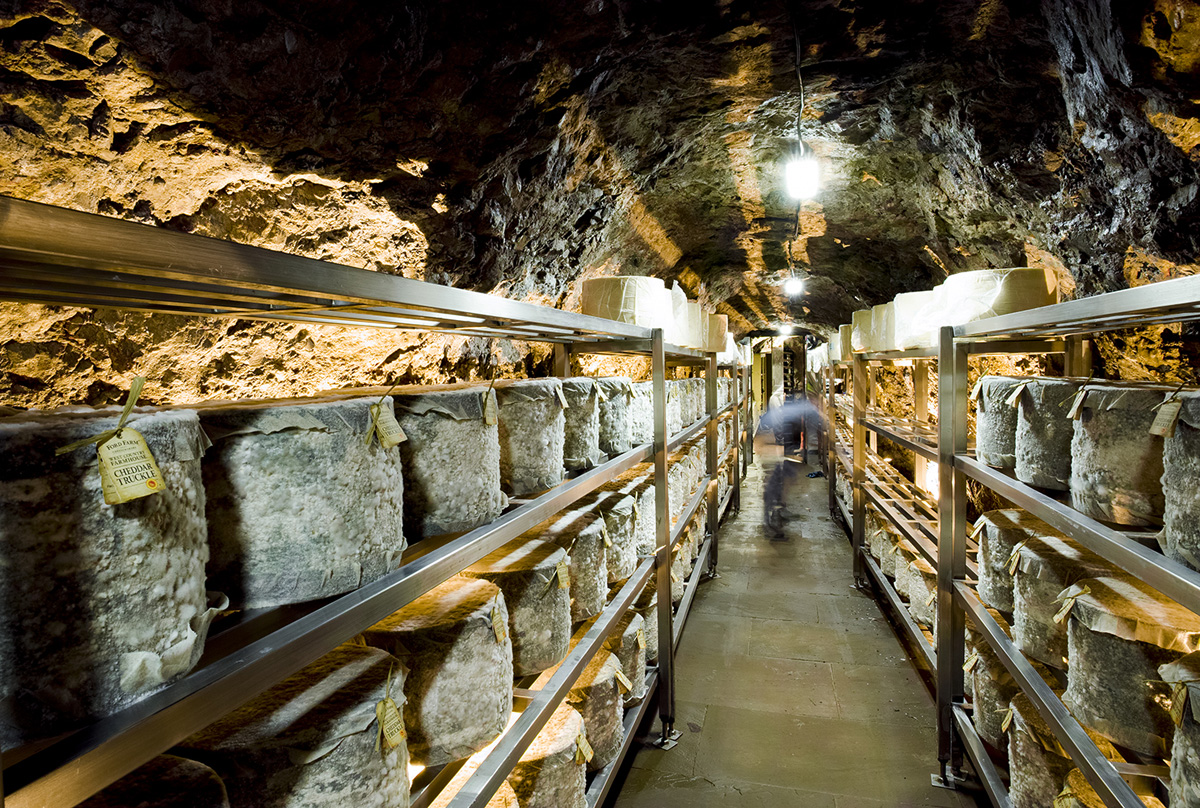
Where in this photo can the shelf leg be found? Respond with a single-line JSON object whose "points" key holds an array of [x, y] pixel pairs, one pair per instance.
{"points": [[952, 546], [921, 413], [666, 623], [562, 360], [1079, 357], [859, 513], [710, 399]]}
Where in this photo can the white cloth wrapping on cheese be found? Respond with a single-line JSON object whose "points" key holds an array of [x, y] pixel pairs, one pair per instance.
{"points": [[615, 393], [539, 606], [627, 299], [451, 460], [638, 482], [550, 774], [619, 511], [641, 413], [1180, 537], [581, 424], [299, 505], [1120, 632], [1044, 432], [861, 334], [913, 330], [310, 741], [982, 293], [1116, 464], [459, 689], [1000, 532], [627, 643], [583, 534], [532, 430], [104, 604]]}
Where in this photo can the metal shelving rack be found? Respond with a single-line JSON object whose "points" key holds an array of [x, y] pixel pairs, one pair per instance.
{"points": [[60, 257], [1063, 328]]}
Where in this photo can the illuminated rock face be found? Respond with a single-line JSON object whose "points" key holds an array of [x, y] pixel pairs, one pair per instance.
{"points": [[518, 151]]}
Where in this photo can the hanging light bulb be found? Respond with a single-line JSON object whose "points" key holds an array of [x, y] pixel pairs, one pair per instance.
{"points": [[802, 174], [786, 329], [793, 286]]}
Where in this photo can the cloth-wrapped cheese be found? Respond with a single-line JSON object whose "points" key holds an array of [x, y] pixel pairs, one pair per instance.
{"points": [[641, 413], [1077, 792], [532, 431], [598, 696], [889, 556], [845, 343], [1183, 677], [996, 422], [454, 642], [1116, 464], [310, 741], [628, 299], [994, 688], [999, 534], [620, 519], [165, 782], [535, 579], [638, 482], [860, 334], [1043, 441], [1037, 763], [103, 604], [912, 328], [1047, 566], [300, 506], [1120, 632], [675, 395], [1180, 537], [922, 592], [581, 424], [647, 606], [552, 772], [583, 534], [875, 534], [627, 643], [451, 458], [883, 327], [614, 393], [504, 797], [905, 553], [983, 293]]}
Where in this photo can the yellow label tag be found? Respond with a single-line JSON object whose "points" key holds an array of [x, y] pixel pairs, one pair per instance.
{"points": [[583, 750], [1179, 697], [1064, 610], [499, 625], [641, 639], [1077, 406], [976, 390], [1166, 419], [385, 426], [971, 662], [1014, 558], [490, 414], [932, 597], [391, 723], [623, 681], [1066, 799], [127, 468], [564, 575], [562, 397], [979, 526], [1007, 722]]}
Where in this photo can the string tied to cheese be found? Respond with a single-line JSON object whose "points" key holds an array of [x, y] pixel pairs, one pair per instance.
{"points": [[1068, 597], [390, 732], [128, 470], [384, 423], [135, 392]]}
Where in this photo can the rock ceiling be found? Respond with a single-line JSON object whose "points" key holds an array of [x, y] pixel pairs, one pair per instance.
{"points": [[517, 147]]}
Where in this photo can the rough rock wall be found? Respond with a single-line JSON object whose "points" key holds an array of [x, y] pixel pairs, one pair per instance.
{"points": [[518, 148]]}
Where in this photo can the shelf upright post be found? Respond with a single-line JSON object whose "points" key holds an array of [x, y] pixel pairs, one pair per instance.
{"points": [[662, 521], [921, 412], [1079, 357], [562, 360], [831, 375], [736, 440], [952, 546], [859, 515], [710, 406], [873, 401]]}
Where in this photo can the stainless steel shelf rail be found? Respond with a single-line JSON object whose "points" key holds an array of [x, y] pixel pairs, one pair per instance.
{"points": [[55, 256]]}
